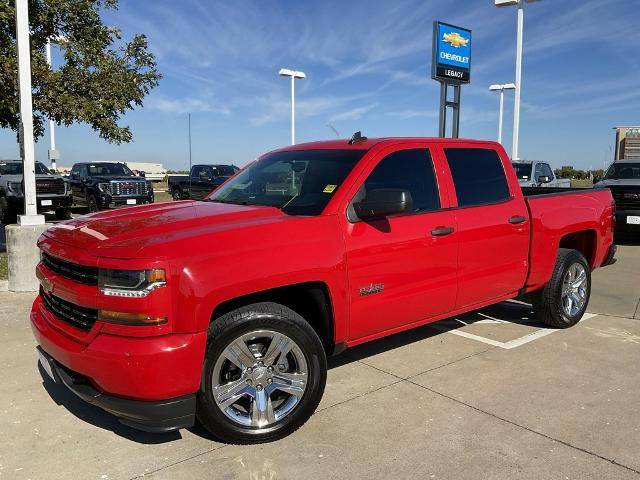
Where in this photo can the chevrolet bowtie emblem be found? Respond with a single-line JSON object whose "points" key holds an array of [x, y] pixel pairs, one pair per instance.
{"points": [[455, 39]]}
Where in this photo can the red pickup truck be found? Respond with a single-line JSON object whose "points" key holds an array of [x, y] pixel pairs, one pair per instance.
{"points": [[225, 309]]}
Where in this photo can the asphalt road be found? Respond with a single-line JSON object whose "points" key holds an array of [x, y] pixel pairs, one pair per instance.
{"points": [[490, 394]]}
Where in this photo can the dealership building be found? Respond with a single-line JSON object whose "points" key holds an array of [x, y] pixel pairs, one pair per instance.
{"points": [[627, 143]]}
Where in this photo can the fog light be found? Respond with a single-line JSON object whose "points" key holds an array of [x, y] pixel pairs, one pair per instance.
{"points": [[124, 318]]}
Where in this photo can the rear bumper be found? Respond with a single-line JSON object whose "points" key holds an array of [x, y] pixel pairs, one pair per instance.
{"points": [[150, 416], [622, 223]]}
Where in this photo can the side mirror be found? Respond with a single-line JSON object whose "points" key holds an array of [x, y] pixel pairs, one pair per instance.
{"points": [[544, 179], [596, 179], [74, 176], [142, 174], [383, 202]]}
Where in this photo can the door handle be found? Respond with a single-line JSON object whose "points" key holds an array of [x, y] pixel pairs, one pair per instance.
{"points": [[516, 219], [441, 231]]}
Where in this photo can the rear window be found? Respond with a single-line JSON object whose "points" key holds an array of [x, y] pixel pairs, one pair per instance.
{"points": [[478, 176], [523, 171]]}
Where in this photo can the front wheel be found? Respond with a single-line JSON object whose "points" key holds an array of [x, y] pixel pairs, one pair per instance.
{"points": [[176, 194], [264, 374], [92, 203], [564, 299]]}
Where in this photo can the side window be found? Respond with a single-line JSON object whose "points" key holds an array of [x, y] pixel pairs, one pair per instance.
{"points": [[197, 171], [83, 172], [545, 170], [410, 170], [478, 175]]}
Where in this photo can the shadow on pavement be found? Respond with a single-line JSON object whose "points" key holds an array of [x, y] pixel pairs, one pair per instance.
{"points": [[627, 239], [98, 417]]}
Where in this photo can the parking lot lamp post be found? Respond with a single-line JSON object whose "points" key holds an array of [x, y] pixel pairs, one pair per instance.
{"points": [[501, 89], [53, 153], [516, 104], [30, 216], [285, 72]]}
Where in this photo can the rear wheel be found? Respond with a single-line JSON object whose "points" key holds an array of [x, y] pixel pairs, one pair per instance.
{"points": [[264, 374], [564, 299], [63, 213], [92, 203]]}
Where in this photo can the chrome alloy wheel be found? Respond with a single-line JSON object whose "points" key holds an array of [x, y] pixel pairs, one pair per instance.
{"points": [[259, 378], [574, 289]]}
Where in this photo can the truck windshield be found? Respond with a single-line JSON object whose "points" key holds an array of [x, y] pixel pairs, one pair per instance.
{"points": [[109, 169], [15, 168], [623, 171], [298, 182], [523, 170]]}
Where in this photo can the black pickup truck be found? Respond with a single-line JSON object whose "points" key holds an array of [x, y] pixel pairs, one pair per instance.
{"points": [[623, 179], [200, 181], [103, 185]]}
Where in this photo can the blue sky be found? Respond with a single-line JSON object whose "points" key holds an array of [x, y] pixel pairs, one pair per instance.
{"points": [[367, 65]]}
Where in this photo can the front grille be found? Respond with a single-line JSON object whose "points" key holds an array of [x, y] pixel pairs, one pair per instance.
{"points": [[72, 271], [80, 317], [626, 197], [54, 186], [128, 189]]}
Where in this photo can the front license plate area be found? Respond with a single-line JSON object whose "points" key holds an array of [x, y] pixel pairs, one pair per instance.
{"points": [[633, 219], [46, 203], [131, 201]]}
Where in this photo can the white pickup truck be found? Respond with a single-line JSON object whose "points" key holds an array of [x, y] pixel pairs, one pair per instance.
{"points": [[535, 173]]}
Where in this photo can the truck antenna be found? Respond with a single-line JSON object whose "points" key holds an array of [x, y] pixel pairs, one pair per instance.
{"points": [[357, 138]]}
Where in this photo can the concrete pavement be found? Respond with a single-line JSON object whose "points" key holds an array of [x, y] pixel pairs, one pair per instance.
{"points": [[489, 394]]}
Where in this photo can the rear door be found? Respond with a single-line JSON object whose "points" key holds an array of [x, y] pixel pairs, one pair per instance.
{"points": [[401, 269], [493, 225]]}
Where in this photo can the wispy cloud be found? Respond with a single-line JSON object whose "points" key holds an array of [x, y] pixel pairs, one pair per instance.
{"points": [[185, 105], [354, 114]]}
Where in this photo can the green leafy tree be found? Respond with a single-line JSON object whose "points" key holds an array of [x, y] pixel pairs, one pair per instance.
{"points": [[101, 78]]}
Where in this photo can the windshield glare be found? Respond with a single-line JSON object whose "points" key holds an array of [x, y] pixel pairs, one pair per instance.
{"points": [[623, 171], [109, 169], [298, 182], [523, 170], [15, 168]]}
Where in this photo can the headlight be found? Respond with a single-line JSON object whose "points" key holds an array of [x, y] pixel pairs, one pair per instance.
{"points": [[104, 187], [130, 283], [15, 188]]}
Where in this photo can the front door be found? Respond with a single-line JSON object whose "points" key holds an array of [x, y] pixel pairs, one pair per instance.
{"points": [[402, 269]]}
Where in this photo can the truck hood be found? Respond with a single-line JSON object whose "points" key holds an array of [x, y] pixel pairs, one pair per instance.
{"points": [[18, 178], [133, 232]]}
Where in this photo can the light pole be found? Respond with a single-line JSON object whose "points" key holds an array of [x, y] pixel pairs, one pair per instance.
{"points": [[516, 103], [285, 72], [53, 153], [30, 216], [501, 88]]}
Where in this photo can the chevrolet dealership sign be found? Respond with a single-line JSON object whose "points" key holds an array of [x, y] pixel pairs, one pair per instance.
{"points": [[451, 53]]}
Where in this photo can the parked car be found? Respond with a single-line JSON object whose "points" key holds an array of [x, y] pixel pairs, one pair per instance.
{"points": [[226, 309], [538, 174], [102, 185], [52, 192], [623, 179], [202, 179]]}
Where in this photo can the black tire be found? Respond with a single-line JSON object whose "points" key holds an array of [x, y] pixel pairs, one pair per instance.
{"points": [[233, 325], [63, 213], [8, 215], [176, 194], [548, 302], [92, 203]]}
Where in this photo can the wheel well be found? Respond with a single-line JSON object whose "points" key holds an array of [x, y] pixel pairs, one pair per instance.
{"points": [[583, 241], [310, 300]]}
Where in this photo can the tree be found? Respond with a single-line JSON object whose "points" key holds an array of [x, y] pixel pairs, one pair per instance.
{"points": [[101, 78]]}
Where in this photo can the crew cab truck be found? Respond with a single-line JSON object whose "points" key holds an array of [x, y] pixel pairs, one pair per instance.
{"points": [[202, 179], [103, 185], [224, 310], [52, 192], [534, 173]]}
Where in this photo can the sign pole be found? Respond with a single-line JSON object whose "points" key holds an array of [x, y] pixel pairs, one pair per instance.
{"points": [[451, 66]]}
